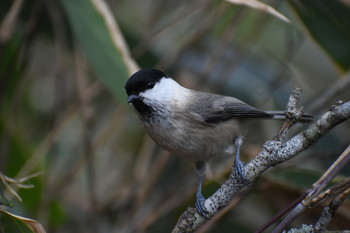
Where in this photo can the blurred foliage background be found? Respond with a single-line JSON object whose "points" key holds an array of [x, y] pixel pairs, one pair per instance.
{"points": [[63, 112]]}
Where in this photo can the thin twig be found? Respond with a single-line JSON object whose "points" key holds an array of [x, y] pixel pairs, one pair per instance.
{"points": [[317, 187], [330, 192], [329, 211], [292, 114], [281, 214], [334, 169]]}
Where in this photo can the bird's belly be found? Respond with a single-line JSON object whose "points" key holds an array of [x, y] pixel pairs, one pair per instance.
{"points": [[197, 144]]}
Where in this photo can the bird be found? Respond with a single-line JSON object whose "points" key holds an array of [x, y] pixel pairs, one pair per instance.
{"points": [[192, 124]]}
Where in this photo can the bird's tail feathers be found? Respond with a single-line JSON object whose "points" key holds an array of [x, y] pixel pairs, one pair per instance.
{"points": [[280, 115]]}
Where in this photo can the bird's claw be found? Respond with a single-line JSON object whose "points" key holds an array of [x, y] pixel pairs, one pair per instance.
{"points": [[239, 168], [200, 200]]}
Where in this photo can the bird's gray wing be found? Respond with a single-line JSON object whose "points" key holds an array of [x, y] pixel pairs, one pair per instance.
{"points": [[219, 108]]}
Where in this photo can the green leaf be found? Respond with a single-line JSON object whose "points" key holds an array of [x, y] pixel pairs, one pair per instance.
{"points": [[93, 36], [17, 224], [328, 22]]}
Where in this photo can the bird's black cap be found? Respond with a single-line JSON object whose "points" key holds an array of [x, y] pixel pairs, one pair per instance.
{"points": [[142, 80]]}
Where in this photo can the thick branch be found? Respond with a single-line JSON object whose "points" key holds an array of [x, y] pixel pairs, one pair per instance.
{"points": [[273, 153]]}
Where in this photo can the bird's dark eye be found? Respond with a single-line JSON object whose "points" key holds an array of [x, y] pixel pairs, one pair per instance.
{"points": [[150, 85]]}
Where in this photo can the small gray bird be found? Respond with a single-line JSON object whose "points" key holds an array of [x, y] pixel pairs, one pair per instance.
{"points": [[193, 124]]}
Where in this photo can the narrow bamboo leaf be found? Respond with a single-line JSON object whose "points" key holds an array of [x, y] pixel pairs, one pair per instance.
{"points": [[91, 32], [13, 223], [262, 7], [328, 22]]}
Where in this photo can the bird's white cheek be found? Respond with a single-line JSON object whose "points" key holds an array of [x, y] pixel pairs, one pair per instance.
{"points": [[157, 95], [166, 92]]}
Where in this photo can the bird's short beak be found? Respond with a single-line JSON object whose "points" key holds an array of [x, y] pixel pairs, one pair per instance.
{"points": [[133, 98]]}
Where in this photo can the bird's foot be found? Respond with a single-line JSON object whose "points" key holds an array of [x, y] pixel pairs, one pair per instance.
{"points": [[239, 168], [200, 200]]}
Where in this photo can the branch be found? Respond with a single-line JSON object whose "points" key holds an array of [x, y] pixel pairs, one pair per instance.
{"points": [[313, 195], [273, 153], [329, 211]]}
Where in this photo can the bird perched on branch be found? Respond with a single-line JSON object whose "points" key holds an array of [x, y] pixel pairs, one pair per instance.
{"points": [[193, 124]]}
